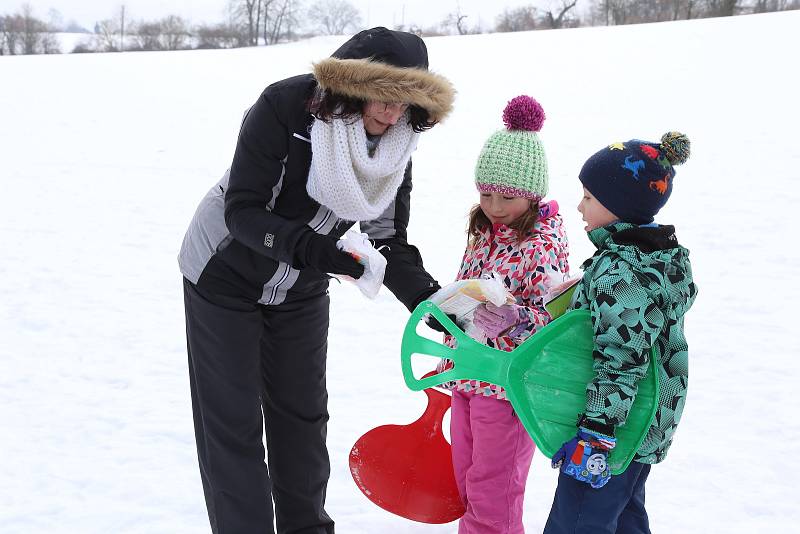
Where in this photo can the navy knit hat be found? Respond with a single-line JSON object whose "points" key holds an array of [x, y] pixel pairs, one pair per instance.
{"points": [[633, 180]]}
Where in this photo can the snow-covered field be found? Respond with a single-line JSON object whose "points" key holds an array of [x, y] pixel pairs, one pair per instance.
{"points": [[103, 158]]}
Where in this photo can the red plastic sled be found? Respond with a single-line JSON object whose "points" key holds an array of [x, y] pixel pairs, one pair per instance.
{"points": [[408, 469]]}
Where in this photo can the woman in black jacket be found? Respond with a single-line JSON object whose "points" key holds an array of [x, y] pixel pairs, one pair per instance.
{"points": [[316, 153]]}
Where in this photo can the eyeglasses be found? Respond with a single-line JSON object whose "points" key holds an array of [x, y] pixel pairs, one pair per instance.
{"points": [[383, 107]]}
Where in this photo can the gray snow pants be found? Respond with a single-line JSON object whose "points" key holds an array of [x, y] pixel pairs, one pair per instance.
{"points": [[257, 369]]}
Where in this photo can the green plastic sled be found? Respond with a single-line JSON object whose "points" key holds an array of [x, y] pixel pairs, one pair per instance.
{"points": [[545, 378]]}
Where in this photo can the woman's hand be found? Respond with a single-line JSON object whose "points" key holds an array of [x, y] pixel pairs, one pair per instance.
{"points": [[320, 252]]}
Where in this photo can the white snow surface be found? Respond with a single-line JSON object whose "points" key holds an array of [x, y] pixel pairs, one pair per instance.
{"points": [[103, 158]]}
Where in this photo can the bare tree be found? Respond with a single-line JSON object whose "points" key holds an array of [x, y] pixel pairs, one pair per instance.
{"points": [[3, 35], [174, 33], [265, 16], [683, 9], [252, 10], [147, 35], [49, 43], [616, 11], [11, 27], [281, 19], [767, 6], [519, 19], [106, 35], [556, 21], [248, 15], [221, 36], [110, 33], [23, 33], [675, 8], [334, 17], [637, 11], [722, 8], [169, 33], [456, 20], [260, 13], [273, 19], [33, 31]]}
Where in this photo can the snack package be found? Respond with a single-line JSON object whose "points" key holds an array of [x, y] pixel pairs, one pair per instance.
{"points": [[358, 245], [559, 297], [461, 298]]}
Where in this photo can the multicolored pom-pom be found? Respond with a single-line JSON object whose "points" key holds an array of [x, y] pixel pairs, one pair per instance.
{"points": [[523, 113], [675, 146]]}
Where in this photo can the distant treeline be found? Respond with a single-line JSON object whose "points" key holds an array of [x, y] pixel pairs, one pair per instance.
{"points": [[563, 13], [266, 22]]}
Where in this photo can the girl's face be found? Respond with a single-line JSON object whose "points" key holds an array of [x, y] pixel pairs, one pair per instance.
{"points": [[503, 209], [378, 116], [594, 214]]}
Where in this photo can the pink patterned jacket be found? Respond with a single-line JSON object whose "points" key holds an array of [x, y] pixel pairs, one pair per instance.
{"points": [[528, 269]]}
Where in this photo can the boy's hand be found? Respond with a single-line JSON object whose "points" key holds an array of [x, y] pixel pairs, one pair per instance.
{"points": [[494, 321], [585, 458]]}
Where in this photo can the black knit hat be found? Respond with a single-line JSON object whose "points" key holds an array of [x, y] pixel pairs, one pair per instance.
{"points": [[633, 180], [401, 49]]}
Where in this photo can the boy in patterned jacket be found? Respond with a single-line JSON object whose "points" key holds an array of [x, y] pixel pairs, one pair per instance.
{"points": [[638, 286], [518, 236]]}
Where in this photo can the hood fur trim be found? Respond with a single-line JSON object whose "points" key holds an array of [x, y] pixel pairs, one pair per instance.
{"points": [[373, 80]]}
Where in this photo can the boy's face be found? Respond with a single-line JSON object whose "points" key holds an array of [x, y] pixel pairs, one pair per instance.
{"points": [[503, 209], [594, 214]]}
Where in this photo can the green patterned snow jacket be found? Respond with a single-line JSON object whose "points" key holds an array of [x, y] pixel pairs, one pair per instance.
{"points": [[638, 286]]}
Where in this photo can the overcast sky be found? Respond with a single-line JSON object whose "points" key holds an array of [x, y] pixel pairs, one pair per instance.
{"points": [[373, 12]]}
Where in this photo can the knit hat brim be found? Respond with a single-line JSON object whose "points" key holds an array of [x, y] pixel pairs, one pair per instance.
{"points": [[372, 80], [507, 190]]}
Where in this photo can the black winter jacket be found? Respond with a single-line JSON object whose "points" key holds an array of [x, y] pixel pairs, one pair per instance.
{"points": [[242, 240]]}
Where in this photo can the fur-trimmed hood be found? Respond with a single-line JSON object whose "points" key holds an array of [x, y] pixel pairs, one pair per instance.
{"points": [[373, 80], [386, 66]]}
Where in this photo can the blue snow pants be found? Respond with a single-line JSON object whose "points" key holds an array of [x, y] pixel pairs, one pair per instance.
{"points": [[616, 508]]}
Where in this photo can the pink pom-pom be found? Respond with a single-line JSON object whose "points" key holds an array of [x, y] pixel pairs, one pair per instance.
{"points": [[523, 113]]}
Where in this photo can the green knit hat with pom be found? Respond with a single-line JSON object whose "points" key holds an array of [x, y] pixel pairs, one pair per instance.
{"points": [[513, 161]]}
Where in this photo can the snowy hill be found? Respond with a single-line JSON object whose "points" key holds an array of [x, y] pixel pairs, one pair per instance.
{"points": [[103, 158]]}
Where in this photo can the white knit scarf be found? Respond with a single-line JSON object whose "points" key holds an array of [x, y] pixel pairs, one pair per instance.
{"points": [[345, 179]]}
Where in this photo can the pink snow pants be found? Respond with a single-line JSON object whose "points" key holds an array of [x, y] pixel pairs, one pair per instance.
{"points": [[492, 454]]}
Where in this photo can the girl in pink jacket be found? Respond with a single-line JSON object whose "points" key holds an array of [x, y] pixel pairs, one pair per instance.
{"points": [[514, 233]]}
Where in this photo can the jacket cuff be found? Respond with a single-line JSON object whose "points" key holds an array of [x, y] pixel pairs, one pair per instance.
{"points": [[595, 427], [422, 296]]}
